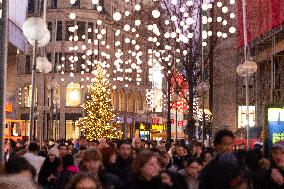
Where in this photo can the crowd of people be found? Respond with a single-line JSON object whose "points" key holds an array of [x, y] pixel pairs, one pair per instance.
{"points": [[136, 164]]}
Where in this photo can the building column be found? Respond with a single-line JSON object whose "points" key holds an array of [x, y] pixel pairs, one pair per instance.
{"points": [[3, 67], [62, 127]]}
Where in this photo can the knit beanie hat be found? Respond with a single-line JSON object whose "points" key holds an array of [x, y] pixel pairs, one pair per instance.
{"points": [[54, 151]]}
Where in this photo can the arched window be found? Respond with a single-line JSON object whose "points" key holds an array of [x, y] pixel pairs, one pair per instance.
{"points": [[131, 103], [122, 104], [113, 99], [25, 96], [138, 103], [73, 94]]}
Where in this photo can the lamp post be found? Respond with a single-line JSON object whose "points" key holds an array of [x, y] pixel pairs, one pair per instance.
{"points": [[175, 99], [35, 29], [246, 69]]}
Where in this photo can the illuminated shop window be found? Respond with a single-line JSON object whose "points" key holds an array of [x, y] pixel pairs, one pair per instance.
{"points": [[73, 94], [25, 96], [242, 121]]}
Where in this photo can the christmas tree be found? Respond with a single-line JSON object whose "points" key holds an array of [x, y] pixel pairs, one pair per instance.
{"points": [[99, 110]]}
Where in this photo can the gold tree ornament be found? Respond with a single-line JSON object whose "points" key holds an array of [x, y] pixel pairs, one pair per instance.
{"points": [[99, 119]]}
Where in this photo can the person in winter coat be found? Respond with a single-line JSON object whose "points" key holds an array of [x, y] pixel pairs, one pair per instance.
{"points": [[122, 167], [190, 173], [84, 180], [180, 157], [146, 168], [275, 175], [223, 172], [69, 170], [92, 163], [49, 170]]}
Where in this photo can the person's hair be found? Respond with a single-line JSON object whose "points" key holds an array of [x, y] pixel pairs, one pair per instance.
{"points": [[107, 152], [142, 158], [221, 134], [82, 147], [120, 143], [198, 144], [60, 145], [189, 161], [16, 182], [18, 164], [33, 147], [204, 153], [67, 160], [82, 176], [93, 154]]}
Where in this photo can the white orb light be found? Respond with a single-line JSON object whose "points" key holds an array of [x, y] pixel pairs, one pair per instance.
{"points": [[72, 16], [43, 65], [137, 7], [232, 30], [95, 2], [116, 16], [43, 41], [34, 28], [156, 13], [126, 27], [137, 22], [247, 68], [174, 2]]}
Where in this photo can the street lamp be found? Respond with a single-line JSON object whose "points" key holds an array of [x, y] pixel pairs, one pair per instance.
{"points": [[35, 29], [246, 69]]}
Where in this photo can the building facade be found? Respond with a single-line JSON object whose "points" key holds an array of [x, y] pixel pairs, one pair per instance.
{"points": [[73, 54]]}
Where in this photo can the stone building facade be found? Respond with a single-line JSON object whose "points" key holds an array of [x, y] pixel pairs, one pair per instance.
{"points": [[128, 98]]}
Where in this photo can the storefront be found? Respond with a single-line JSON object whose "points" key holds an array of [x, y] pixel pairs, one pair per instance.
{"points": [[71, 124]]}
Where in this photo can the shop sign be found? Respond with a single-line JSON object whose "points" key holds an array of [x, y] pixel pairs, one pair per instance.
{"points": [[172, 121], [156, 120], [180, 123], [9, 107], [158, 127], [142, 126], [275, 125]]}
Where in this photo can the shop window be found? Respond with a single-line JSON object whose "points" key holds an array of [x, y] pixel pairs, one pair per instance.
{"points": [[59, 31], [242, 120], [31, 6], [76, 5], [81, 30], [73, 94], [72, 130], [68, 33], [28, 65], [54, 4], [49, 27], [90, 30], [26, 96]]}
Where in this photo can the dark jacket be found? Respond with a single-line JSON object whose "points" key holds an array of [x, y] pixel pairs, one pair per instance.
{"points": [[110, 181], [269, 183], [46, 170], [178, 161], [65, 176], [139, 183], [123, 169]]}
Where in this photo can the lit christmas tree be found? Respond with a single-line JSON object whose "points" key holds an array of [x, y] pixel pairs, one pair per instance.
{"points": [[99, 110]]}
